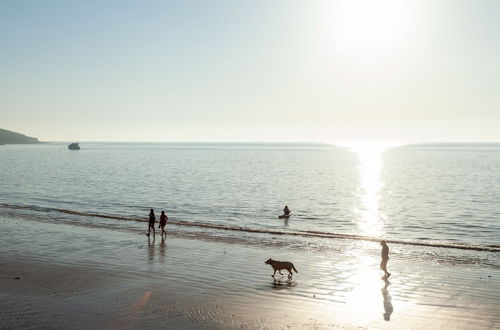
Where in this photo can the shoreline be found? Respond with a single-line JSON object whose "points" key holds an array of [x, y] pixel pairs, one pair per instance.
{"points": [[120, 279], [302, 233]]}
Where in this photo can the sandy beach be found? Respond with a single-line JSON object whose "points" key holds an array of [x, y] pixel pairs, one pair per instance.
{"points": [[77, 277]]}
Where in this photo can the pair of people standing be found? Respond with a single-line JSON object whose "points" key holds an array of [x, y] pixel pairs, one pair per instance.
{"points": [[152, 220]]}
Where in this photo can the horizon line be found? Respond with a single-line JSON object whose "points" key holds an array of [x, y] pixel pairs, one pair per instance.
{"points": [[338, 142]]}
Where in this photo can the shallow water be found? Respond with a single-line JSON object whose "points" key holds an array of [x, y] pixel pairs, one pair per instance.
{"points": [[442, 194]]}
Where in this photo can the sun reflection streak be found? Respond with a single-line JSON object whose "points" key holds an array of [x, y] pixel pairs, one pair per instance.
{"points": [[366, 282], [362, 290], [370, 164], [370, 168]]}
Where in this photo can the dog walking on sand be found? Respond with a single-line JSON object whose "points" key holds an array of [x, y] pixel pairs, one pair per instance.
{"points": [[279, 265]]}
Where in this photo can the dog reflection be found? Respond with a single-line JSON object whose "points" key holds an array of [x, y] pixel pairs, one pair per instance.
{"points": [[279, 284]]}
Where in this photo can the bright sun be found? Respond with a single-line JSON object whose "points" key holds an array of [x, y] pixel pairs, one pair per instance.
{"points": [[371, 24]]}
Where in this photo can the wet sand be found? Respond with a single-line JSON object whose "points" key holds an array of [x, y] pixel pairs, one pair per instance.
{"points": [[68, 276]]}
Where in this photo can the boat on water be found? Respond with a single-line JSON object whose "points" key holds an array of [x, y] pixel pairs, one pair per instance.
{"points": [[74, 146]]}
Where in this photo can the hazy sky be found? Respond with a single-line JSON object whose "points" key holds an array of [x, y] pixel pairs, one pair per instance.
{"points": [[251, 70]]}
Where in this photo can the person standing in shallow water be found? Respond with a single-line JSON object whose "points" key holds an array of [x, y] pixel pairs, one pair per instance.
{"points": [[152, 220], [385, 259], [163, 222]]}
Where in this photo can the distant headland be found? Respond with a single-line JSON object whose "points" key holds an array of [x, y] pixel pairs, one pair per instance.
{"points": [[9, 137]]}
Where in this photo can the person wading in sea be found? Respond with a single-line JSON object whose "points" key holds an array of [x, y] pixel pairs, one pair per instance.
{"points": [[152, 219], [163, 222], [385, 259]]}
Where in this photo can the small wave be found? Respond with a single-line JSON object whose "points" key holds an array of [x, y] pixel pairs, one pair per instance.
{"points": [[304, 233]]}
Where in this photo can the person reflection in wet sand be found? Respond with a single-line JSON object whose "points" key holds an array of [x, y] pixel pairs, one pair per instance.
{"points": [[387, 302], [385, 259], [152, 219], [151, 248], [162, 249]]}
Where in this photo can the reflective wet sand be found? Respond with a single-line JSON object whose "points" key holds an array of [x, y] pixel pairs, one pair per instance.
{"points": [[69, 276]]}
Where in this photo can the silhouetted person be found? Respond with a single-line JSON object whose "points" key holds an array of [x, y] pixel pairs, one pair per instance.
{"points": [[163, 222], [152, 220], [286, 210], [385, 259]]}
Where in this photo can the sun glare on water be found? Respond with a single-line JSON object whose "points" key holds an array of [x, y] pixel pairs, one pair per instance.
{"points": [[370, 165]]}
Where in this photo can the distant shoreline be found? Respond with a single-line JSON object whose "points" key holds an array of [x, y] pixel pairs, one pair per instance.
{"points": [[10, 137]]}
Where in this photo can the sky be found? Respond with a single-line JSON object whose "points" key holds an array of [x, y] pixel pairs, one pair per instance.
{"points": [[259, 70]]}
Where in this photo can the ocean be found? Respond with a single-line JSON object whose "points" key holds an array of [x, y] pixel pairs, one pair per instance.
{"points": [[428, 198]]}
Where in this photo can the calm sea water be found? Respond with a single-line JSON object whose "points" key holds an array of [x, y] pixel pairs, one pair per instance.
{"points": [[435, 193]]}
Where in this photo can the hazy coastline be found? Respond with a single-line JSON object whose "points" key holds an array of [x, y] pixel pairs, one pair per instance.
{"points": [[10, 137]]}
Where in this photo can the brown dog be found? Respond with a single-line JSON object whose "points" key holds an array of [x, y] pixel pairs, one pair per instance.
{"points": [[279, 265]]}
